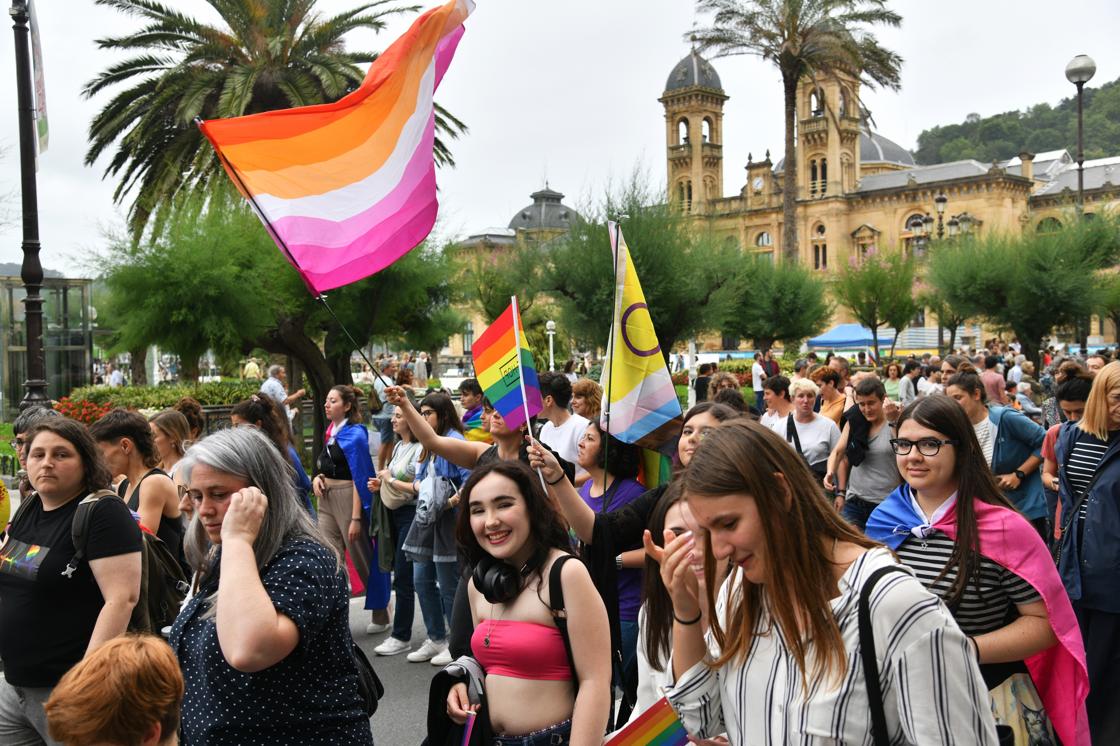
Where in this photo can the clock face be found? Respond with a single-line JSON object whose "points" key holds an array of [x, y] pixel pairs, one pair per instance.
{"points": [[757, 183]]}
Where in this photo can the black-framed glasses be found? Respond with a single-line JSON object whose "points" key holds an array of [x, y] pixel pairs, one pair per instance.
{"points": [[926, 446]]}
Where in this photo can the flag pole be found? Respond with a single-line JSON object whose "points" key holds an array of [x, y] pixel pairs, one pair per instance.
{"points": [[521, 376], [287, 253], [611, 342]]}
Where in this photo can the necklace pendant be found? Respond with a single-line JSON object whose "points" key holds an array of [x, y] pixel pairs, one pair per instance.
{"points": [[486, 641]]}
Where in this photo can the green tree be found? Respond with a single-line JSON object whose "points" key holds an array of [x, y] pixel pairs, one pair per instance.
{"points": [[1110, 298], [877, 290], [1031, 283], [188, 289], [687, 277], [487, 279], [949, 317], [263, 56], [803, 39], [776, 302]]}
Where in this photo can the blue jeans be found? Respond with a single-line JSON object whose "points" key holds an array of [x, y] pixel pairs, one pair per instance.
{"points": [[436, 583], [857, 510], [402, 574], [554, 735], [629, 632], [759, 401]]}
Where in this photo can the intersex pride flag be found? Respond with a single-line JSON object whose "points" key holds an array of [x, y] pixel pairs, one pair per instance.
{"points": [[347, 188], [505, 371]]}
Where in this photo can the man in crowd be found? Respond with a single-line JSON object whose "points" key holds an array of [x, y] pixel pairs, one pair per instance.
{"points": [[276, 386], [1094, 363], [470, 399], [993, 381], [758, 377], [703, 376], [563, 431], [908, 385], [383, 420]]}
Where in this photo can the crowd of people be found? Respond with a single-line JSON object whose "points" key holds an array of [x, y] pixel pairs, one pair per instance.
{"points": [[850, 556]]}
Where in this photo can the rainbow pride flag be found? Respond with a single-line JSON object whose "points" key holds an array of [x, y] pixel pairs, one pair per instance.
{"points": [[638, 392], [658, 725], [347, 188], [504, 367]]}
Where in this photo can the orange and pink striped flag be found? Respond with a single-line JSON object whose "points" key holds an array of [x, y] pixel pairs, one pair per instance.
{"points": [[347, 188]]}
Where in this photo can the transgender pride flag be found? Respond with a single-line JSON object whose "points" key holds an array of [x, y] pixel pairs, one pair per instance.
{"points": [[347, 188]]}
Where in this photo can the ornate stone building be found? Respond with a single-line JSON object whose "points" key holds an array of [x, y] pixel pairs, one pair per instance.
{"points": [[856, 189]]}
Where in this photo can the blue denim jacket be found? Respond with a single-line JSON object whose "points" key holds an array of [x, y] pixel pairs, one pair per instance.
{"points": [[1017, 438], [1090, 563]]}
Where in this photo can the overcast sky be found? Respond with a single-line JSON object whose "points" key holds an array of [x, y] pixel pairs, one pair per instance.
{"points": [[567, 92]]}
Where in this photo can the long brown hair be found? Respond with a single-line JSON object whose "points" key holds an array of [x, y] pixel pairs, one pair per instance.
{"points": [[974, 482], [743, 457], [659, 606]]}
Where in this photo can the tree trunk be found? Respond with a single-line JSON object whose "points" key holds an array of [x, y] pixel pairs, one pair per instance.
{"points": [[952, 339], [894, 342], [790, 251], [139, 358], [875, 339], [188, 367]]}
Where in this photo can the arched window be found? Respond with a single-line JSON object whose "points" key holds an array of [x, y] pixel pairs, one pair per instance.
{"points": [[820, 248], [763, 239], [468, 337], [706, 130], [813, 176], [1049, 225], [682, 132], [816, 103], [824, 176], [844, 102], [684, 195]]}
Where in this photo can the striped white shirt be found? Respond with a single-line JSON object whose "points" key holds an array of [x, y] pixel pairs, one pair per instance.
{"points": [[932, 689], [1084, 458]]}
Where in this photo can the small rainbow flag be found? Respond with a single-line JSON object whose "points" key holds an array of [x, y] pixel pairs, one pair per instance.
{"points": [[659, 725], [347, 188], [468, 728], [504, 367]]}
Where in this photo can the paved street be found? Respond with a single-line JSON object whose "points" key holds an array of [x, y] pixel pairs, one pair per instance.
{"points": [[402, 713]]}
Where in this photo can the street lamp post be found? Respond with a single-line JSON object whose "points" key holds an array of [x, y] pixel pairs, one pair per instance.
{"points": [[939, 202], [1080, 71], [550, 330], [35, 386]]}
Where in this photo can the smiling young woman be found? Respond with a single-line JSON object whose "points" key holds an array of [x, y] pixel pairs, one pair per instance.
{"points": [[785, 622]]}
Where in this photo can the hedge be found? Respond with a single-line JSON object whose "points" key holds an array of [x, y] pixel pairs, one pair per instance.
{"points": [[162, 397]]}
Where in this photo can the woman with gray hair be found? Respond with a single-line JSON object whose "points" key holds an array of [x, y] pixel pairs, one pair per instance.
{"points": [[265, 644]]}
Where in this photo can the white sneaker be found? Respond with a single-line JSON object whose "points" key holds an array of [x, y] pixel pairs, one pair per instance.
{"points": [[373, 628], [430, 649], [392, 646], [442, 659]]}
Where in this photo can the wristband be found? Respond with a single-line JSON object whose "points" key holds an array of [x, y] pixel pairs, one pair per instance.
{"points": [[355, 520], [558, 479], [618, 562], [686, 623]]}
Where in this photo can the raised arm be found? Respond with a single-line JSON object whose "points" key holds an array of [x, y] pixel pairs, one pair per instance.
{"points": [[463, 453], [578, 513]]}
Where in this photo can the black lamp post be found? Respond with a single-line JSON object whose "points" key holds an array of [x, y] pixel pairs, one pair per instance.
{"points": [[35, 387], [1080, 71], [939, 202]]}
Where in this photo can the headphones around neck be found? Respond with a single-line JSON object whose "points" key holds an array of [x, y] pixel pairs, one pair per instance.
{"points": [[500, 582]]}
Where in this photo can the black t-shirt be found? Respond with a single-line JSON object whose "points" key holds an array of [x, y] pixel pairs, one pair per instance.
{"points": [[170, 530], [701, 386], [332, 463], [46, 619]]}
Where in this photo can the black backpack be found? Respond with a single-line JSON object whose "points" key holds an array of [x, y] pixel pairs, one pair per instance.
{"points": [[163, 584]]}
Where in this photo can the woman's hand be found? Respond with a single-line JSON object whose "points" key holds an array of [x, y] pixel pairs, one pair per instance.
{"points": [[677, 574], [459, 706], [318, 486], [373, 484], [396, 395], [244, 516], [542, 458], [353, 531]]}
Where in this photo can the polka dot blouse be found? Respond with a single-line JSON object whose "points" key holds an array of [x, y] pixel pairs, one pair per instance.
{"points": [[310, 697]]}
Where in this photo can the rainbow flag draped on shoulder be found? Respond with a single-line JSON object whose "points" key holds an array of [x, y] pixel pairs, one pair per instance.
{"points": [[504, 367], [347, 188], [637, 389]]}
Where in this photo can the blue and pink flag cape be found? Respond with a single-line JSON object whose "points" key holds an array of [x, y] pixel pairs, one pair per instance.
{"points": [[1059, 672]]}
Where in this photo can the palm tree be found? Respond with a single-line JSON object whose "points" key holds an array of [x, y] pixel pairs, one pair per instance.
{"points": [[270, 54], [803, 38]]}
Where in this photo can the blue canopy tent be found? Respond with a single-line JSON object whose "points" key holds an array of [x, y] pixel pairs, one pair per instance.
{"points": [[847, 337]]}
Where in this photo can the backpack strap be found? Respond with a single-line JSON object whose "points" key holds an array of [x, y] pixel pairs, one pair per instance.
{"points": [[556, 604], [24, 506], [79, 527], [879, 734]]}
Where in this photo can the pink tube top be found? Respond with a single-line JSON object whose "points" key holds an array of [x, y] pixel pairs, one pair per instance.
{"points": [[521, 650]]}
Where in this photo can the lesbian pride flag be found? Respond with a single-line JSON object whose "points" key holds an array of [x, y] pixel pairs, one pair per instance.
{"points": [[347, 188], [657, 726], [504, 367]]}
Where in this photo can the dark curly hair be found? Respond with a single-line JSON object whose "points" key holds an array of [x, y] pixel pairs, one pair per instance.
{"points": [[620, 460]]}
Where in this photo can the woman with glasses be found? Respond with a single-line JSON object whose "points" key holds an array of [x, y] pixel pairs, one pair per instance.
{"points": [[950, 523], [265, 644], [342, 486], [55, 606], [1089, 550], [1011, 443], [263, 413]]}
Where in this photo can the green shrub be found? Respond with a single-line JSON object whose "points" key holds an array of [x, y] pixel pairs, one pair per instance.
{"points": [[162, 397]]}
